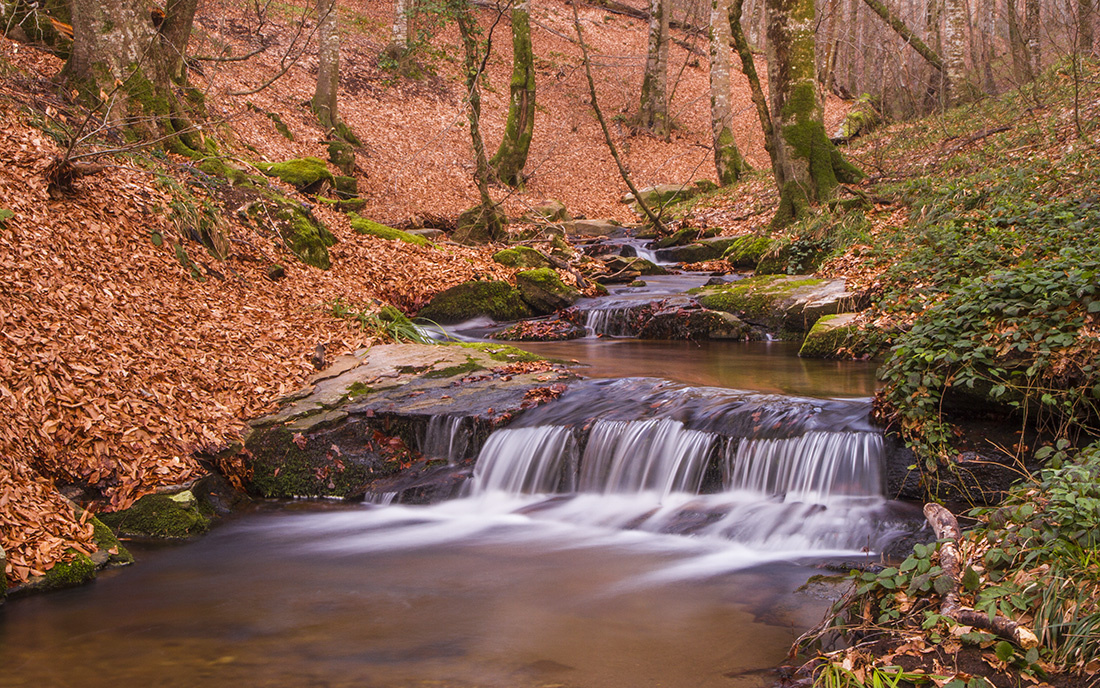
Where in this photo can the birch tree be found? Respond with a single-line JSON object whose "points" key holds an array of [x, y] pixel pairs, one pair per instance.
{"points": [[511, 157], [1031, 34], [653, 114], [810, 166], [954, 50], [328, 64], [727, 158]]}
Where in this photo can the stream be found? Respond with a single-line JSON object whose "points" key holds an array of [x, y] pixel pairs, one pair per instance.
{"points": [[659, 525]]}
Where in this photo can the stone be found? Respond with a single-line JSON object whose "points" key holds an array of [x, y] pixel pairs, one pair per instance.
{"points": [[364, 226], [304, 174], [786, 305], [162, 516], [640, 266], [473, 227], [521, 257], [698, 324], [834, 336], [544, 291], [301, 231], [497, 300], [564, 325], [549, 211], [594, 228], [346, 187], [428, 233], [710, 248]]}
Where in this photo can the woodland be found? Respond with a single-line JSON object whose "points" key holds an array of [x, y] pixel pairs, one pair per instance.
{"points": [[203, 203]]}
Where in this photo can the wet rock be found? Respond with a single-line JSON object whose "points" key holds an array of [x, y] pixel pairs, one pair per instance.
{"points": [[683, 237], [697, 252], [566, 324], [168, 516], [544, 291], [594, 228], [697, 324], [425, 482], [620, 268], [835, 336], [786, 305], [498, 300], [367, 419], [978, 478]]}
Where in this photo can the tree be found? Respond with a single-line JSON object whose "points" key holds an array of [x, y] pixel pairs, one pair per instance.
{"points": [[512, 154], [1031, 34], [810, 166], [653, 114], [748, 67], [328, 65], [134, 69], [727, 159], [954, 50]]}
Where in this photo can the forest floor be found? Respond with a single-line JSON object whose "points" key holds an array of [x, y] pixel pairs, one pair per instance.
{"points": [[119, 361]]}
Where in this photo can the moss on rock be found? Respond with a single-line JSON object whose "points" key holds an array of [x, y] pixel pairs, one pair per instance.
{"points": [[747, 252], [162, 516], [364, 226], [105, 539], [544, 291], [498, 300], [521, 257], [301, 173], [68, 574], [835, 336]]}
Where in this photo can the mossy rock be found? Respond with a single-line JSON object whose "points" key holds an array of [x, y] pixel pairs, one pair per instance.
{"points": [[635, 264], [162, 516], [551, 211], [346, 187], [835, 336], [497, 300], [343, 156], [786, 305], [521, 257], [544, 291], [305, 236], [364, 226], [109, 545], [478, 226], [746, 252], [304, 174], [685, 236], [67, 574], [699, 251], [282, 466]]}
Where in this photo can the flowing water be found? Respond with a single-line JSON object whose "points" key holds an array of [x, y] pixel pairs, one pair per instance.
{"points": [[639, 531]]}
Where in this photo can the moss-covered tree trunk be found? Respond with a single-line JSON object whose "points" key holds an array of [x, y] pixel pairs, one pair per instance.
{"points": [[328, 64], [488, 218], [520, 127], [810, 164], [42, 23], [653, 114], [133, 70], [727, 158]]}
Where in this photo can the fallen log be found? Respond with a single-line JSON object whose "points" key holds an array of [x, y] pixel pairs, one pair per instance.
{"points": [[946, 527]]}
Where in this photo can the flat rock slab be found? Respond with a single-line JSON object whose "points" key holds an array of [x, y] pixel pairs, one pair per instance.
{"points": [[787, 305], [375, 414], [600, 228]]}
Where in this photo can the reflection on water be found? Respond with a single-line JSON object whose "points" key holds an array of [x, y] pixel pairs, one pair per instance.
{"points": [[397, 596], [760, 366]]}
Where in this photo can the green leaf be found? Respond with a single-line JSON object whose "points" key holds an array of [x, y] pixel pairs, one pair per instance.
{"points": [[943, 584], [1005, 651], [971, 581]]}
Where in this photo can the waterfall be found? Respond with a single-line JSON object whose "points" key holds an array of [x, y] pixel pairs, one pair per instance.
{"points": [[445, 438], [527, 460], [650, 455], [611, 322], [812, 468]]}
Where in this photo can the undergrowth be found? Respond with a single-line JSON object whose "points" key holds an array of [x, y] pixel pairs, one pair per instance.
{"points": [[386, 324]]}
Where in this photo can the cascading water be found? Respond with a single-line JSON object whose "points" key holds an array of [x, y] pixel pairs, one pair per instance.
{"points": [[445, 438]]}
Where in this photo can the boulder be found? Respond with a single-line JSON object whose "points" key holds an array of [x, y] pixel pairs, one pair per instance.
{"points": [[594, 228], [544, 291], [663, 195], [549, 211], [364, 226], [684, 236], [710, 248], [698, 324], [641, 266], [478, 226], [521, 257], [498, 300], [786, 305], [835, 336], [747, 252], [305, 235]]}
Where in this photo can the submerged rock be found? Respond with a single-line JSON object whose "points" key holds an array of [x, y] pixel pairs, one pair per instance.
{"points": [[498, 300]]}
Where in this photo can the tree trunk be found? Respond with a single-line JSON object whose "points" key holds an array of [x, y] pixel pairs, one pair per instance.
{"points": [[121, 63], [1031, 33], [954, 50], [811, 165], [1020, 67], [907, 35], [987, 21], [488, 218], [520, 127], [1085, 30], [748, 67], [653, 114], [727, 159], [401, 24], [328, 65]]}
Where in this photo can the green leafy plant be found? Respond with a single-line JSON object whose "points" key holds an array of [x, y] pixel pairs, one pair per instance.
{"points": [[387, 323]]}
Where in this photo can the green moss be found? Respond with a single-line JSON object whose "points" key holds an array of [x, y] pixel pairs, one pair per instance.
{"points": [[748, 251], [289, 471], [521, 257], [106, 540], [462, 369], [302, 173], [358, 389], [544, 277], [67, 574], [501, 352], [162, 516], [5, 215], [371, 228], [498, 300], [831, 338], [342, 155], [753, 297], [304, 234]]}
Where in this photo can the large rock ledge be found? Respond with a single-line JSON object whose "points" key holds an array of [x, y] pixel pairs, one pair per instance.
{"points": [[787, 305], [391, 409]]}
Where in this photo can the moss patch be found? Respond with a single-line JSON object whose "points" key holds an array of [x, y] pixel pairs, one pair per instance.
{"points": [[544, 291], [498, 300], [302, 173], [364, 226], [162, 516], [68, 574], [462, 369], [501, 352], [281, 468], [107, 542], [748, 251], [521, 257]]}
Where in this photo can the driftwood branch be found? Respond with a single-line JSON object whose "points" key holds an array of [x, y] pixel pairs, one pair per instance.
{"points": [[946, 527]]}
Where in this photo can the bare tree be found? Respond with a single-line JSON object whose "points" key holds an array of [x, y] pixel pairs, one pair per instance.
{"points": [[810, 165], [954, 49], [328, 64], [653, 114], [511, 157], [1031, 35], [727, 158]]}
